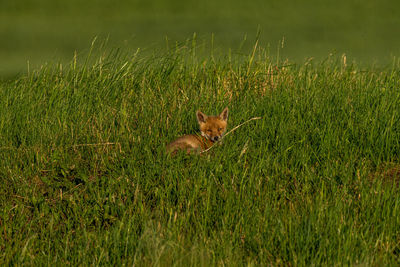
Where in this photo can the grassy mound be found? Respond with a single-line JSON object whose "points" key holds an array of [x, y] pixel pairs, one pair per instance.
{"points": [[85, 177]]}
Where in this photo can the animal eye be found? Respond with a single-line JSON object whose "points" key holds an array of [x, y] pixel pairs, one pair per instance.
{"points": [[219, 129], [209, 131]]}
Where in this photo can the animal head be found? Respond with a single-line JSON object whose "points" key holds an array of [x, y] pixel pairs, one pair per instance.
{"points": [[213, 127]]}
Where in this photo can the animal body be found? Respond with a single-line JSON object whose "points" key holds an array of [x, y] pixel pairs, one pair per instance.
{"points": [[212, 129]]}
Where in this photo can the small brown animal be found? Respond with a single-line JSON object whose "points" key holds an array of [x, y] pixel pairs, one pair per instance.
{"points": [[212, 129]]}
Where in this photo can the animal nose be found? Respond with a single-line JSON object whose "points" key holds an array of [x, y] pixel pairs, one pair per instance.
{"points": [[216, 138]]}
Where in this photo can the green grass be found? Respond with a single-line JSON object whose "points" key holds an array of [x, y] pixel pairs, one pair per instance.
{"points": [[51, 30], [85, 177]]}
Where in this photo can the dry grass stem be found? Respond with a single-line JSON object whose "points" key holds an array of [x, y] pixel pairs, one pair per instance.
{"points": [[236, 127]]}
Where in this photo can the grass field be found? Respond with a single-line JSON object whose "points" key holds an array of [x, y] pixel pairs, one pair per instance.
{"points": [[39, 31], [85, 177]]}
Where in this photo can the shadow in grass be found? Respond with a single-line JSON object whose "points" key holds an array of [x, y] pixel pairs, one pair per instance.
{"points": [[388, 174]]}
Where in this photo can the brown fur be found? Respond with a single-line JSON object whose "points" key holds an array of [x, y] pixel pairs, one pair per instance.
{"points": [[212, 129]]}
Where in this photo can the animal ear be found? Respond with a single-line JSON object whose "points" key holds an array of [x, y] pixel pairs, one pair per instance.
{"points": [[224, 114], [201, 117]]}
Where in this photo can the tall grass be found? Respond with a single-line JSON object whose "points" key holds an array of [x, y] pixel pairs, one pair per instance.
{"points": [[85, 177]]}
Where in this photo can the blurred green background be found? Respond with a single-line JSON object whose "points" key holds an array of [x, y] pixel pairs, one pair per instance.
{"points": [[42, 31]]}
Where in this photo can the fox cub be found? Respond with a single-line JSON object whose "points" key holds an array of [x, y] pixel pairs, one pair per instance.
{"points": [[212, 129]]}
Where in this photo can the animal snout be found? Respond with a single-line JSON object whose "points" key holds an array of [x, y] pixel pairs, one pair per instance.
{"points": [[215, 138]]}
